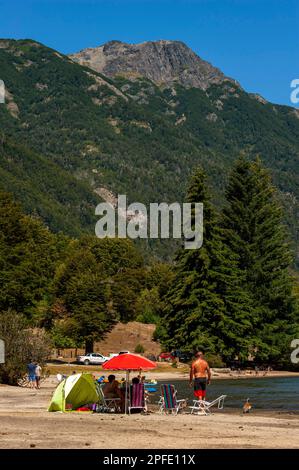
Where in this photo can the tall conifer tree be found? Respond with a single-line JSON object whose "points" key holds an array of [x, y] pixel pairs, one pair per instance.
{"points": [[255, 236], [206, 306]]}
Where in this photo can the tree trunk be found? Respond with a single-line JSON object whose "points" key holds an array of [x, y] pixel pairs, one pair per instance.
{"points": [[88, 346]]}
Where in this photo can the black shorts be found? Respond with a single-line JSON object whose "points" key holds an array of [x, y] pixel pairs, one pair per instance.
{"points": [[200, 386]]}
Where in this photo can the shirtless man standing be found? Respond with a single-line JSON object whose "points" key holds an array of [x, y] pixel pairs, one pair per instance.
{"points": [[200, 370]]}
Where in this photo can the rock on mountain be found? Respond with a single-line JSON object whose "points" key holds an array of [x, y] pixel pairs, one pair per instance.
{"points": [[163, 62]]}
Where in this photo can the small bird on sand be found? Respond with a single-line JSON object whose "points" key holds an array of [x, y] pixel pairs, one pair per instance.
{"points": [[247, 406]]}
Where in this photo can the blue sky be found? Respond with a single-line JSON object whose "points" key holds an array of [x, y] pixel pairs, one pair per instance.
{"points": [[253, 41]]}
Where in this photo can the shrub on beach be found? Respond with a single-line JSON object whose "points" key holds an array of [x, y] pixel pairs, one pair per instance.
{"points": [[139, 349], [22, 345]]}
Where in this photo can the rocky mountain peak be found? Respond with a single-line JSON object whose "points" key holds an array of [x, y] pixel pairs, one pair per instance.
{"points": [[163, 62]]}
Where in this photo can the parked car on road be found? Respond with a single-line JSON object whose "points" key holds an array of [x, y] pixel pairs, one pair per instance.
{"points": [[185, 357], [151, 357], [182, 356], [111, 355], [92, 358], [166, 356], [173, 355]]}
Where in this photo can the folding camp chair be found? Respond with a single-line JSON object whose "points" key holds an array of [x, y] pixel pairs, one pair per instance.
{"points": [[203, 407], [168, 401], [107, 405], [137, 398]]}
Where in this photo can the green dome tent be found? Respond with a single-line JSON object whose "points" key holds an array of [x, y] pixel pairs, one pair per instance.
{"points": [[74, 391]]}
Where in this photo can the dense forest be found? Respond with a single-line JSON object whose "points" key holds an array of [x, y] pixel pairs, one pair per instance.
{"points": [[236, 297], [76, 289]]}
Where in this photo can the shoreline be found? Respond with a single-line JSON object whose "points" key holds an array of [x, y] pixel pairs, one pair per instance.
{"points": [[222, 376], [25, 423], [165, 372]]}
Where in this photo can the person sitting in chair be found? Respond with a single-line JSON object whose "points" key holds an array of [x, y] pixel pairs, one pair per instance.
{"points": [[112, 390]]}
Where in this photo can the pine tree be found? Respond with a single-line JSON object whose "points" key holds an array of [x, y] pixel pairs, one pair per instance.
{"points": [[255, 236], [235, 327], [206, 306], [191, 301]]}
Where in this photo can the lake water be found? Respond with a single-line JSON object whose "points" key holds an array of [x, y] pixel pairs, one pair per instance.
{"points": [[279, 393]]}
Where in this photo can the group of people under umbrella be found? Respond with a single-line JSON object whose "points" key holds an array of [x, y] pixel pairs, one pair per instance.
{"points": [[128, 362]]}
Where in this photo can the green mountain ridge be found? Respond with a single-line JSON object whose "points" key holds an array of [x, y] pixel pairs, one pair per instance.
{"points": [[46, 190], [68, 131]]}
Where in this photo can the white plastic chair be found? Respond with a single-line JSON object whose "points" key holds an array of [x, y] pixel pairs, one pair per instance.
{"points": [[203, 407]]}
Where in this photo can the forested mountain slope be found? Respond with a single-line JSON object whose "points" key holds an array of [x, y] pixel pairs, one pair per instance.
{"points": [[68, 130]]}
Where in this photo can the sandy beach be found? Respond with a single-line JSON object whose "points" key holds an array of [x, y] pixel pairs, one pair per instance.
{"points": [[25, 423]]}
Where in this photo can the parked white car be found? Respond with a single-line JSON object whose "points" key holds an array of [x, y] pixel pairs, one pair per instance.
{"points": [[92, 358], [111, 355]]}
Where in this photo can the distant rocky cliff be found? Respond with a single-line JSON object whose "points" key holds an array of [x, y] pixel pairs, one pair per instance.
{"points": [[160, 61]]}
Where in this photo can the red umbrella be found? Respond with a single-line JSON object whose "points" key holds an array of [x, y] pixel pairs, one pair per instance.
{"points": [[128, 362]]}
